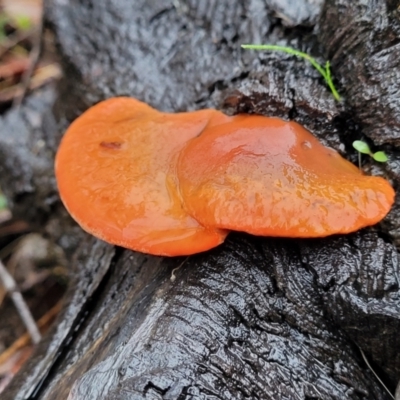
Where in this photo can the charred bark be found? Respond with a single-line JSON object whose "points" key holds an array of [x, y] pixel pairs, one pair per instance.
{"points": [[255, 318]]}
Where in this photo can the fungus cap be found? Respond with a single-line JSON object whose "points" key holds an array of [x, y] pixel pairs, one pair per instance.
{"points": [[116, 175], [269, 177]]}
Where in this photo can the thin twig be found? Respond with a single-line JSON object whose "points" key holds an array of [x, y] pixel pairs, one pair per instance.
{"points": [[34, 57], [24, 340], [19, 302], [376, 376]]}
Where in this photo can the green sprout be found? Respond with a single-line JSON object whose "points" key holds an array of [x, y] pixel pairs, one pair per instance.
{"points": [[363, 148], [325, 71]]}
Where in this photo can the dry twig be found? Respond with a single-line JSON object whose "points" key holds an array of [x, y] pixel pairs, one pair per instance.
{"points": [[376, 376], [19, 302], [24, 340]]}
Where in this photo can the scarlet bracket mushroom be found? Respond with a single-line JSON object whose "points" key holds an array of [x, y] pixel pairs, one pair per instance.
{"points": [[116, 175], [174, 184], [269, 177]]}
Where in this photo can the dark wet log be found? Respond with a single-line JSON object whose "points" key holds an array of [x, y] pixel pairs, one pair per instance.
{"points": [[255, 318], [370, 30]]}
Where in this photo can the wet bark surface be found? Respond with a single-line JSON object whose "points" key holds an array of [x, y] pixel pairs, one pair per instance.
{"points": [[371, 30], [256, 318]]}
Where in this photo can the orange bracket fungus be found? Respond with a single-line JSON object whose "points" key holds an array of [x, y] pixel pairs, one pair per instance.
{"points": [[175, 184], [269, 177], [116, 175]]}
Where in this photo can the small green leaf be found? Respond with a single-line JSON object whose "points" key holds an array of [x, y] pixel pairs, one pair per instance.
{"points": [[362, 147], [380, 156], [3, 202], [23, 22]]}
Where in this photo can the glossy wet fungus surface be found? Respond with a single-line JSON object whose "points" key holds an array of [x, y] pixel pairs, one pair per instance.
{"points": [[175, 184]]}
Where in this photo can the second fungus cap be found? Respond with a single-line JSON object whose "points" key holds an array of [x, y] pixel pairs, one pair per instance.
{"points": [[269, 177]]}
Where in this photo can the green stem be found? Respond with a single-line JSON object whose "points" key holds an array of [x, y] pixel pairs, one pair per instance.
{"points": [[325, 72]]}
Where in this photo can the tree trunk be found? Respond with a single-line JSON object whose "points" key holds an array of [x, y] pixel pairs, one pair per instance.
{"points": [[257, 318]]}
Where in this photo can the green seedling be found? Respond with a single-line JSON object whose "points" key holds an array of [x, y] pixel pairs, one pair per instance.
{"points": [[363, 148], [325, 71]]}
